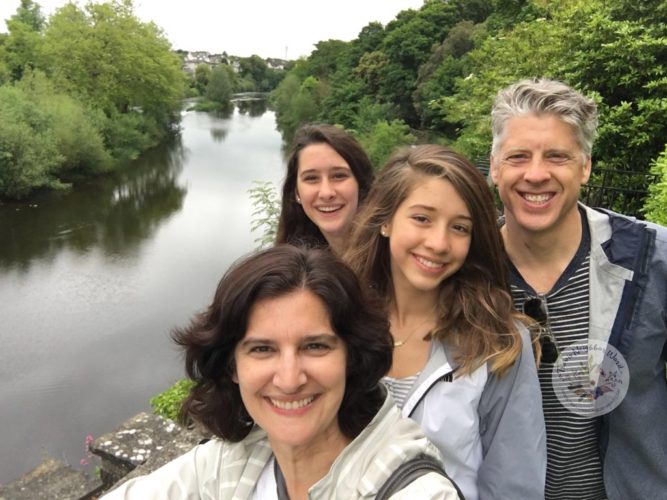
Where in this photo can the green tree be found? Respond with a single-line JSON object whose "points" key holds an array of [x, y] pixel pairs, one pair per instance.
{"points": [[383, 140], [202, 77], [297, 102], [114, 61], [255, 70], [20, 49], [219, 88]]}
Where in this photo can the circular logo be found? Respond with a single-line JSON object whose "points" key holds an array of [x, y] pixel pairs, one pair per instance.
{"points": [[590, 378]]}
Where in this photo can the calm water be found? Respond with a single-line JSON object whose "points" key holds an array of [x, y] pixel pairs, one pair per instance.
{"points": [[92, 282]]}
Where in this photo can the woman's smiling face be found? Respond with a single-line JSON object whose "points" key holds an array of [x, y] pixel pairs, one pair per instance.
{"points": [[291, 371]]}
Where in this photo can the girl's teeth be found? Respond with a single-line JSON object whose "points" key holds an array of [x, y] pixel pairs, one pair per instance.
{"points": [[428, 263], [328, 209]]}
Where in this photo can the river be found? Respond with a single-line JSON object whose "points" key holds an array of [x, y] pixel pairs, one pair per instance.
{"points": [[92, 281]]}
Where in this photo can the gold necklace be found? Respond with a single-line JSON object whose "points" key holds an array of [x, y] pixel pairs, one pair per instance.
{"points": [[399, 343]]}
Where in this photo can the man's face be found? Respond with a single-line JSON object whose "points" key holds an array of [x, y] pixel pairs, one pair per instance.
{"points": [[539, 169]]}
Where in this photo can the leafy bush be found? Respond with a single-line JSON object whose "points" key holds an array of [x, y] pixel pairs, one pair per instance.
{"points": [[29, 154], [655, 208], [168, 403], [384, 138], [266, 204]]}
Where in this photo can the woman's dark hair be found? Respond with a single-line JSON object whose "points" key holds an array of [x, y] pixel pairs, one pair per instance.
{"points": [[293, 225], [210, 339]]}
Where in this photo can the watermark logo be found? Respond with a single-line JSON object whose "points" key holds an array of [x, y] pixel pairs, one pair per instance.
{"points": [[590, 378]]}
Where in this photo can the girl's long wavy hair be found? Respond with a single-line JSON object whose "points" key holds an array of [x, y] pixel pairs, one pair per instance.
{"points": [[476, 315]]}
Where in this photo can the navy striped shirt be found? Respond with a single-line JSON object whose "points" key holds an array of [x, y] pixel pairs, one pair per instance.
{"points": [[574, 468]]}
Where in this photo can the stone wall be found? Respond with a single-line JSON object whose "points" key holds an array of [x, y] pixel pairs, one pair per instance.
{"points": [[140, 445]]}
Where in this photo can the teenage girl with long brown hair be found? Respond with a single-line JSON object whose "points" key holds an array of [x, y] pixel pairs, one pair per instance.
{"points": [[463, 367]]}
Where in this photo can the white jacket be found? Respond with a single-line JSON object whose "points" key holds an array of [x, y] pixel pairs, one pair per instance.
{"points": [[489, 430], [222, 470]]}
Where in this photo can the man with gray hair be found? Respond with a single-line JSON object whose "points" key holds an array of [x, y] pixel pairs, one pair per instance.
{"points": [[596, 283]]}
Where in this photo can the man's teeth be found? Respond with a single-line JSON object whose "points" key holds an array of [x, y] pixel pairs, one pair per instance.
{"points": [[292, 405], [537, 198], [429, 263]]}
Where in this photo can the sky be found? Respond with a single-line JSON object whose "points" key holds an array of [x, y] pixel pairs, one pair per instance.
{"points": [[269, 28]]}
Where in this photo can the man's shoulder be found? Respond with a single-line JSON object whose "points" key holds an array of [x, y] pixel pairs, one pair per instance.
{"points": [[615, 220]]}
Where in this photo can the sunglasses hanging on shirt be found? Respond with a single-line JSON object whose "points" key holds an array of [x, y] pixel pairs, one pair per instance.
{"points": [[536, 308]]}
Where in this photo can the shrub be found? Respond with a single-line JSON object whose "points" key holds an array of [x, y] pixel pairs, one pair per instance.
{"points": [[384, 138], [168, 403], [655, 208], [266, 212]]}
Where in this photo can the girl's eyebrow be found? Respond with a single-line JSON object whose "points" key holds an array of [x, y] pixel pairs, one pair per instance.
{"points": [[422, 207], [432, 209], [332, 167]]}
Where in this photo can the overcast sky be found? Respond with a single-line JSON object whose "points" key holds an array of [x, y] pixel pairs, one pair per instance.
{"points": [[268, 28]]}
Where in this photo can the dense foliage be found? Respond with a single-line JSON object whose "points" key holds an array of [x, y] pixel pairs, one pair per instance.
{"points": [[435, 72], [168, 403], [81, 92], [656, 204]]}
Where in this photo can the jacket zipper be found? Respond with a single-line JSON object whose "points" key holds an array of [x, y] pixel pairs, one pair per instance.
{"points": [[447, 377]]}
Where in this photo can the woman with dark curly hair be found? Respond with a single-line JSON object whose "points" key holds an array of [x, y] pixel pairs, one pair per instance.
{"points": [[287, 363], [328, 178]]}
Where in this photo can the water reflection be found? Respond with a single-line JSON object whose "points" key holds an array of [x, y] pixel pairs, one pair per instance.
{"points": [[115, 213], [93, 281], [252, 107]]}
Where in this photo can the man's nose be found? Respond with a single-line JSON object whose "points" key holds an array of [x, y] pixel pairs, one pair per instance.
{"points": [[537, 171]]}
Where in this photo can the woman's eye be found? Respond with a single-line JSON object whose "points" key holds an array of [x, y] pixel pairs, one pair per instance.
{"points": [[341, 175], [309, 178], [462, 229], [260, 349], [420, 218], [317, 346]]}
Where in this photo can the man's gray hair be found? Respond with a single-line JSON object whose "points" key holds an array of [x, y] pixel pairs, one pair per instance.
{"points": [[540, 97]]}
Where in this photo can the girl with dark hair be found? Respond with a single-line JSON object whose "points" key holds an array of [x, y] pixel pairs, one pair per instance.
{"points": [[328, 178], [427, 243], [287, 363]]}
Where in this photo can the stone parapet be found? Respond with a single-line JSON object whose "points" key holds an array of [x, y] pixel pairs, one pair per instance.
{"points": [[137, 447], [54, 480], [140, 445]]}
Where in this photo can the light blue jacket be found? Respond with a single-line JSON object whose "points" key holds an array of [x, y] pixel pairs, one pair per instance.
{"points": [[489, 429], [628, 304]]}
